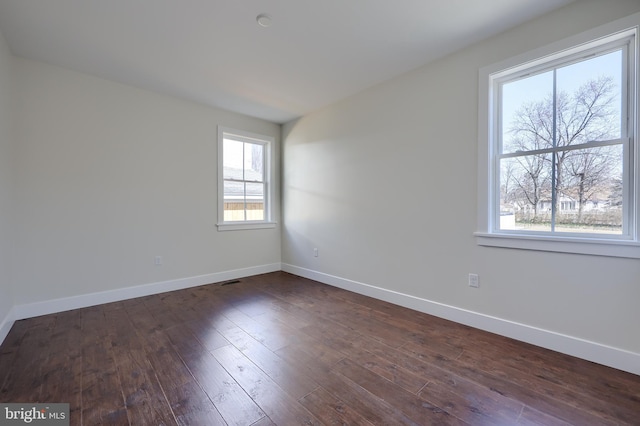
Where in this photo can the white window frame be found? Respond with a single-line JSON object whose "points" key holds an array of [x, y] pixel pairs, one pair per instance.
{"points": [[488, 232], [267, 142]]}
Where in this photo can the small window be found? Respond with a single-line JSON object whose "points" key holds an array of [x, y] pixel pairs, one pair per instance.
{"points": [[244, 189], [558, 148]]}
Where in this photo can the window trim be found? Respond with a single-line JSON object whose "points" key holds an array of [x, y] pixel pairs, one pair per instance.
{"points": [[598, 38], [268, 142]]}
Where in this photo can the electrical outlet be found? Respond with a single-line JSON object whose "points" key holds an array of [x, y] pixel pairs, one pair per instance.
{"points": [[315, 252], [158, 260], [474, 280]]}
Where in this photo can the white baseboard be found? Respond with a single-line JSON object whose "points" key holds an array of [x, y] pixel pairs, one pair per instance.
{"points": [[580, 348], [7, 323], [82, 301]]}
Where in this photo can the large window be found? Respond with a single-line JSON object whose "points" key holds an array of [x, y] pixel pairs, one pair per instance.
{"points": [[559, 149], [244, 187]]}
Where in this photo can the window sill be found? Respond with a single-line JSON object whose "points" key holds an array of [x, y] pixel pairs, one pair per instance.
{"points": [[575, 245], [239, 226]]}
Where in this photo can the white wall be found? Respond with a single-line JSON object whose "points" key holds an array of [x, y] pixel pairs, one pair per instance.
{"points": [[6, 175], [108, 176], [384, 185]]}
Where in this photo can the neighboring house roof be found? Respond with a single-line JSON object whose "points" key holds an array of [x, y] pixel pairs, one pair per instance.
{"points": [[237, 190]]}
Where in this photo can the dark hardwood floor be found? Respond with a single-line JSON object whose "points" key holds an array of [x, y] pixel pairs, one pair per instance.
{"points": [[280, 349]]}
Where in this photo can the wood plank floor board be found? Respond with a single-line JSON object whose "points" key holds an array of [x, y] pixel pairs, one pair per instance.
{"points": [[415, 407], [184, 341], [24, 379], [387, 369], [555, 389], [429, 365], [531, 417], [514, 384], [277, 349], [537, 402], [165, 362], [342, 340], [361, 323], [162, 317], [102, 398], [7, 364], [14, 338], [103, 386], [9, 351], [93, 325], [141, 319], [372, 408], [63, 382], [107, 416], [332, 335], [278, 370], [229, 398], [265, 421], [564, 372], [144, 398], [191, 406], [290, 314], [319, 353], [472, 403], [273, 338], [207, 334], [276, 403], [330, 410]]}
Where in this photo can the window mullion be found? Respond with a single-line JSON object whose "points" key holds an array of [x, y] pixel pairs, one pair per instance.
{"points": [[244, 200], [244, 183], [586, 145]]}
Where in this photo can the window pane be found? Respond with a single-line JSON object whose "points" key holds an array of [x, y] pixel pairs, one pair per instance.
{"points": [[255, 201], [234, 201], [525, 193], [588, 100], [253, 162], [527, 113], [233, 190], [589, 194], [588, 105], [232, 159]]}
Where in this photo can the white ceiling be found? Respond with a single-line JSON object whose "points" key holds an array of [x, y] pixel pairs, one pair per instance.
{"points": [[214, 52]]}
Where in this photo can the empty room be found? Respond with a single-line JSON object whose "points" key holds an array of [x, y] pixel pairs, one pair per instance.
{"points": [[284, 212]]}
